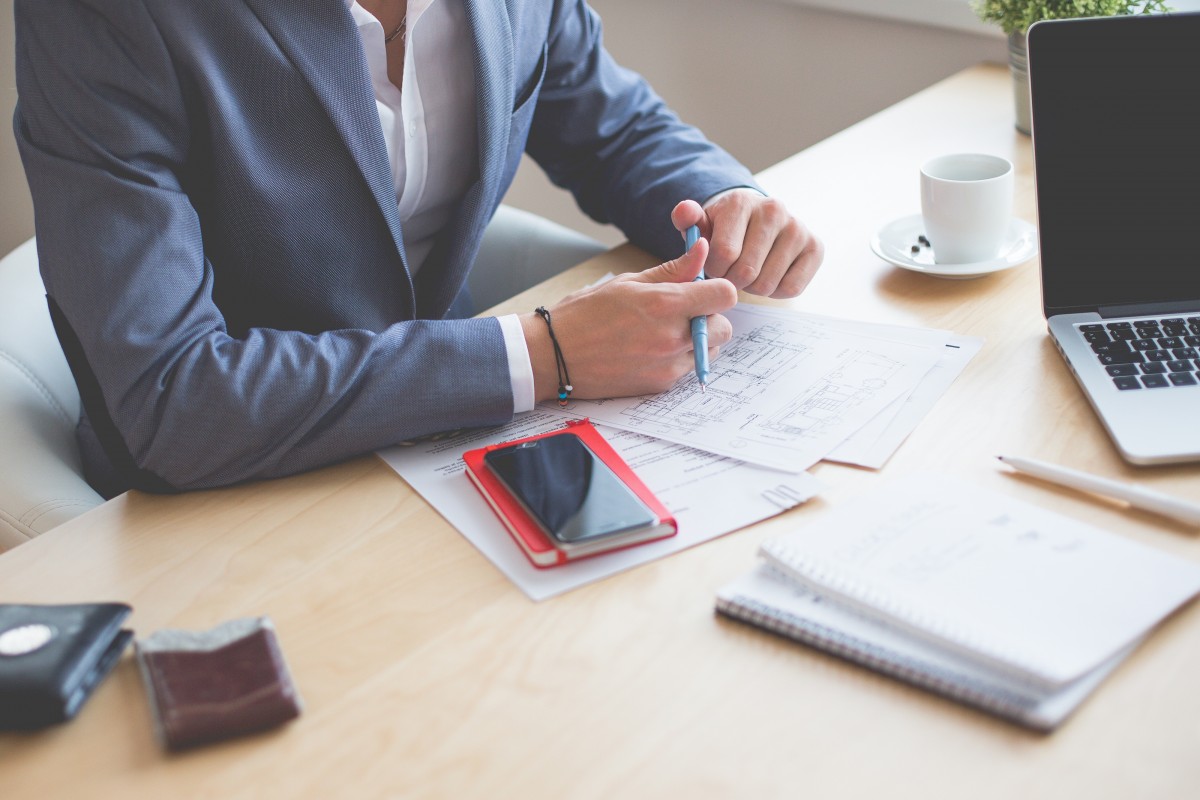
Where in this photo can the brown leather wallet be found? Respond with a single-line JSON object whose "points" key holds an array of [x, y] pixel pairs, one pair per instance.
{"points": [[205, 686]]}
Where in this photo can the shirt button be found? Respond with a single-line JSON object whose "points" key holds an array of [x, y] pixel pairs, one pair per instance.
{"points": [[412, 129]]}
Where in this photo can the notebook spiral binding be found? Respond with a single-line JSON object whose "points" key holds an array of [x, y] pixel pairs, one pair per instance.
{"points": [[957, 686]]}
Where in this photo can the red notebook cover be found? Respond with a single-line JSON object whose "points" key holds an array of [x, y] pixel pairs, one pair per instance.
{"points": [[525, 531]]}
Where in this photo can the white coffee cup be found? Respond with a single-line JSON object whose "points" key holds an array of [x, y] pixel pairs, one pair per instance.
{"points": [[966, 203]]}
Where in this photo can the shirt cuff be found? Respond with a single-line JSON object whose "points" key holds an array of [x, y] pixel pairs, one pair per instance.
{"points": [[520, 369]]}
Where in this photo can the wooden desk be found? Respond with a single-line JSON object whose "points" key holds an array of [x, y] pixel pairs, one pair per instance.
{"points": [[426, 673]]}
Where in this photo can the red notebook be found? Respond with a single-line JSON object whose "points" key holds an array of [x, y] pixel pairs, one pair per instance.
{"points": [[534, 542]]}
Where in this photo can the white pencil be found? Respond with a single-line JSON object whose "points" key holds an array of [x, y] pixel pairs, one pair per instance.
{"points": [[1137, 496]]}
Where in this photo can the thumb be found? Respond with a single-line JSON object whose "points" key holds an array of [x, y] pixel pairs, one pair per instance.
{"points": [[679, 270]]}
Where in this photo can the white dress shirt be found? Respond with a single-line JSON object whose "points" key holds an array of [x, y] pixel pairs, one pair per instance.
{"points": [[429, 127]]}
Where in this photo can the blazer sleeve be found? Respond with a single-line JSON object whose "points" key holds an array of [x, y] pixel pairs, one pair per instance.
{"points": [[601, 132], [105, 135]]}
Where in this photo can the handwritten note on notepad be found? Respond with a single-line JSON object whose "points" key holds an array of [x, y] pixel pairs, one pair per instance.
{"points": [[1033, 592]]}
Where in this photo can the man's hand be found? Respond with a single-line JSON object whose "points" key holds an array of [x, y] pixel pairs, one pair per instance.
{"points": [[755, 243], [631, 335]]}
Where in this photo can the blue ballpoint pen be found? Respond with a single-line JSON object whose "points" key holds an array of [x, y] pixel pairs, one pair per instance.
{"points": [[699, 324]]}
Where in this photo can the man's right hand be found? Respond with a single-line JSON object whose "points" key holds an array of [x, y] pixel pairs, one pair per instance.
{"points": [[631, 335]]}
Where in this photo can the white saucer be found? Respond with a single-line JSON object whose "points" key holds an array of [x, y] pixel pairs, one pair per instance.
{"points": [[894, 242]]}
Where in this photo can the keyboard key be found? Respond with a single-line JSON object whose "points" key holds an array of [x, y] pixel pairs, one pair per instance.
{"points": [[1125, 358], [1117, 370], [1186, 352], [1115, 346], [1144, 344], [1194, 327], [1127, 383], [1145, 323], [1114, 326], [1149, 333], [1155, 381], [1158, 355], [1154, 368], [1170, 342], [1124, 334], [1173, 321], [1192, 341], [1097, 336], [1175, 330], [1177, 378], [1091, 327], [1177, 366]]}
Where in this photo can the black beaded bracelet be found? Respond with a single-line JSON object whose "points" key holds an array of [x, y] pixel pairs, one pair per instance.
{"points": [[564, 379]]}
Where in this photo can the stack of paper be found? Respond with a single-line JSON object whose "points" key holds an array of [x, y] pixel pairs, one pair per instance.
{"points": [[981, 598], [789, 390], [792, 389]]}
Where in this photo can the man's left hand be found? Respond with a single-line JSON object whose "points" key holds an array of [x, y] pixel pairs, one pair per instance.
{"points": [[755, 243]]}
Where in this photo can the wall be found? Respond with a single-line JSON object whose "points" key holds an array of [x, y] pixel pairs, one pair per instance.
{"points": [[764, 78]]}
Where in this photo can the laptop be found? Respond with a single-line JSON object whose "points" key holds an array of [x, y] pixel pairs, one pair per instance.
{"points": [[1116, 143]]}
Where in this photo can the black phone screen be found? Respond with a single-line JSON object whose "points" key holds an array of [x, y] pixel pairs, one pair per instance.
{"points": [[574, 495]]}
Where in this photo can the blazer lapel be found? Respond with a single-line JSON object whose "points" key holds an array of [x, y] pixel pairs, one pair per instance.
{"points": [[320, 39], [493, 42]]}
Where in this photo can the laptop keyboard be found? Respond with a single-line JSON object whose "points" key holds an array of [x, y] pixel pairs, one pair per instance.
{"points": [[1148, 353]]}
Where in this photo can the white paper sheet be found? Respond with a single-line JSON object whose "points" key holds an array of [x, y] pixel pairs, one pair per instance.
{"points": [[874, 443], [709, 496], [786, 391]]}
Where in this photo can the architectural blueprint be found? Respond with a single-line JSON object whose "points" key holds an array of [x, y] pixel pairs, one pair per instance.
{"points": [[785, 391]]}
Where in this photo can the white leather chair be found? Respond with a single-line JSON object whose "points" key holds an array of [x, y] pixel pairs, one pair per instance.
{"points": [[520, 249], [41, 484]]}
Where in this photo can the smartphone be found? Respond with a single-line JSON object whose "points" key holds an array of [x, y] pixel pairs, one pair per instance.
{"points": [[574, 496]]}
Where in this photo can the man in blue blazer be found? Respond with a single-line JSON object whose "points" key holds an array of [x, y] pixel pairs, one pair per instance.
{"points": [[227, 266]]}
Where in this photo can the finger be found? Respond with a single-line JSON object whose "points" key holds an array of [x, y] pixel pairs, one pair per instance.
{"points": [[670, 313], [710, 297], [769, 222], [720, 330], [786, 249], [688, 213], [678, 270], [802, 270], [729, 224]]}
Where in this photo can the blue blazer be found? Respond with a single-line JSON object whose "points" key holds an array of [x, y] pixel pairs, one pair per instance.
{"points": [[218, 232]]}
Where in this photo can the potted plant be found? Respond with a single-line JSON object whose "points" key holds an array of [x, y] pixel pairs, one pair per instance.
{"points": [[1015, 16]]}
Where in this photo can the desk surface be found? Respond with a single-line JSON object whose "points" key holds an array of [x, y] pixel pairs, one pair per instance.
{"points": [[426, 672]]}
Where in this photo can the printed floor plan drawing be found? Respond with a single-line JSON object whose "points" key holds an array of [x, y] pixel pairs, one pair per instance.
{"points": [[785, 391]]}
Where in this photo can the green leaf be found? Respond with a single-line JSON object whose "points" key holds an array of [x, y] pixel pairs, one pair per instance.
{"points": [[1014, 16]]}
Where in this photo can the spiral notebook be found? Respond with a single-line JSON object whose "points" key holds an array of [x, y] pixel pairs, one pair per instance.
{"points": [[1037, 595], [768, 599], [967, 592]]}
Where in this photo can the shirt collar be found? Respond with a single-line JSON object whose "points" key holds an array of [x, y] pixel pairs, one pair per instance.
{"points": [[363, 17]]}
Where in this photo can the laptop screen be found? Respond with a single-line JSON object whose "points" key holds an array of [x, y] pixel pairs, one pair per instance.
{"points": [[1116, 136]]}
